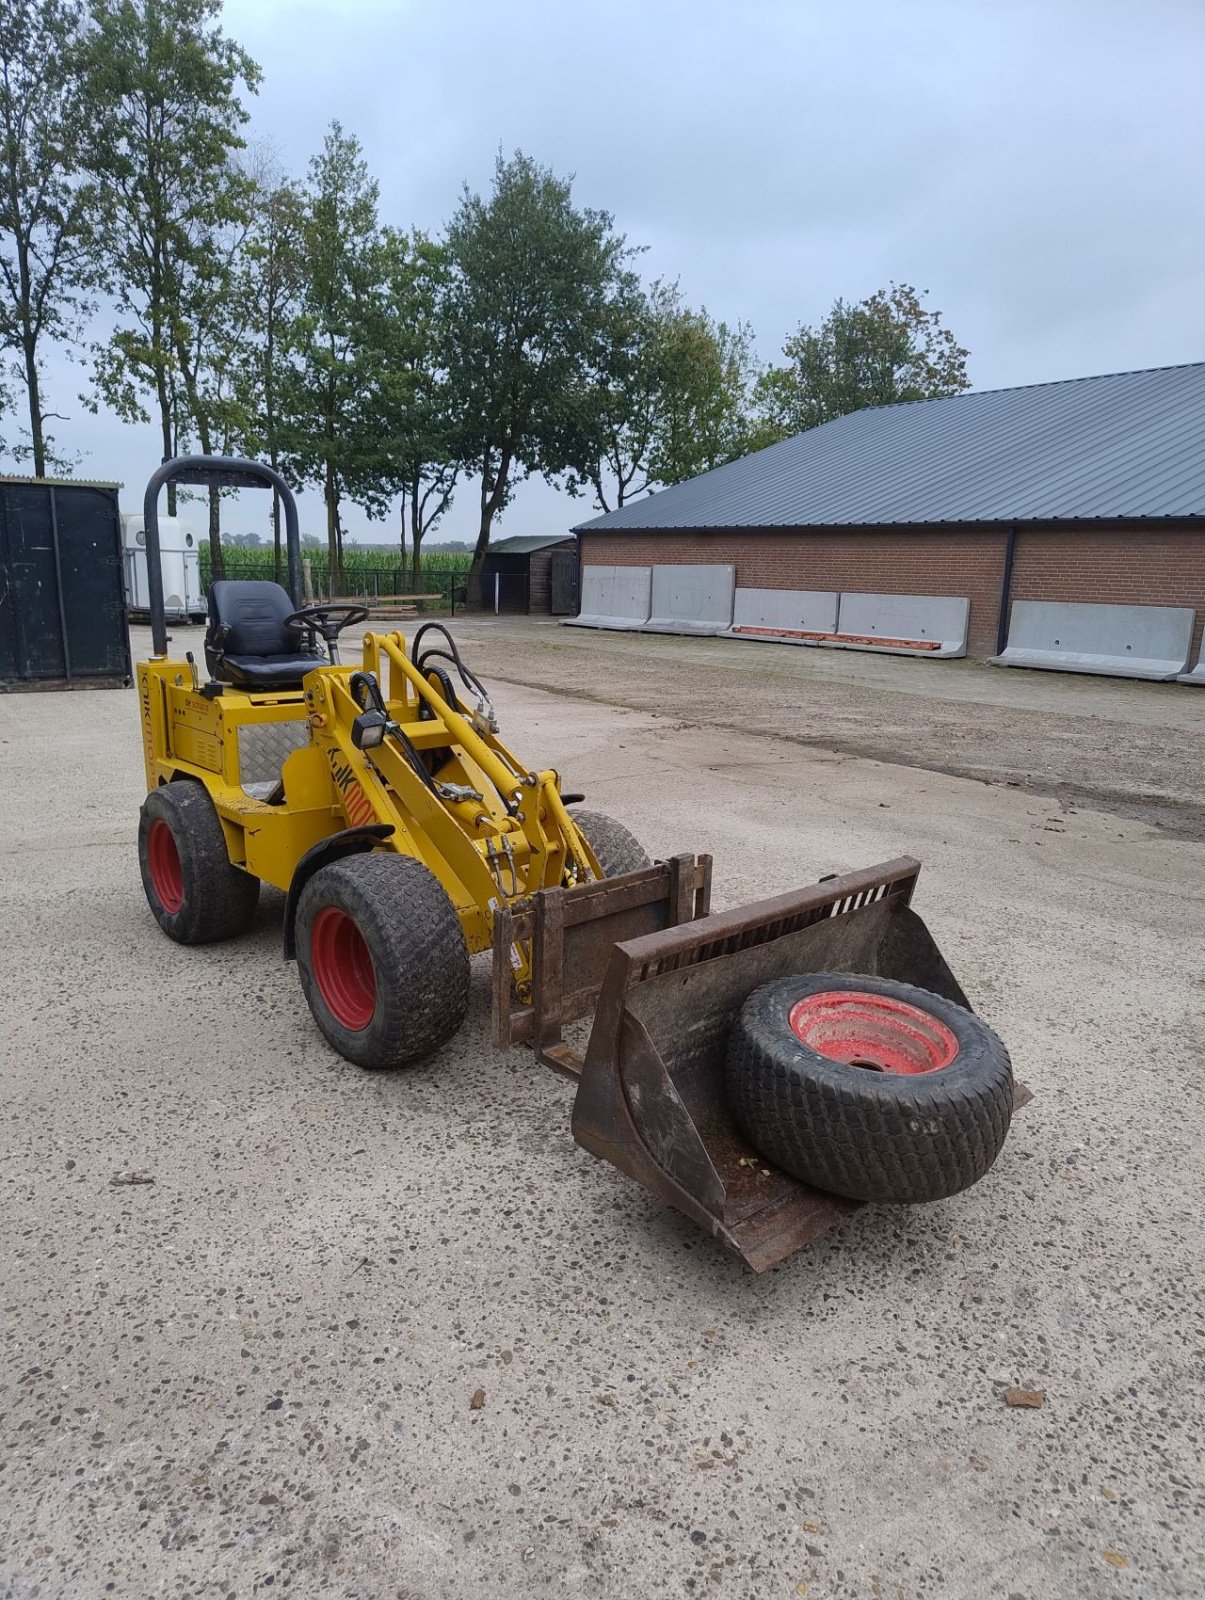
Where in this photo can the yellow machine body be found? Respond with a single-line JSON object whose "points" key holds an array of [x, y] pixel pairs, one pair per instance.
{"points": [[489, 829]]}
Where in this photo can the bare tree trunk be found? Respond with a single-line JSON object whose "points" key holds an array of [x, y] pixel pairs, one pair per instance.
{"points": [[402, 534], [277, 566], [165, 427], [35, 407], [217, 564], [29, 345], [335, 570], [270, 424], [334, 540], [215, 531], [492, 497], [416, 540]]}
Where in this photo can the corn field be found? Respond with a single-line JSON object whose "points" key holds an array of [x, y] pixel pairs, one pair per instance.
{"points": [[366, 573]]}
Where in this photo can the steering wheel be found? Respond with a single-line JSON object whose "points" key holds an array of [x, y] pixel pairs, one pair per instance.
{"points": [[330, 621]]}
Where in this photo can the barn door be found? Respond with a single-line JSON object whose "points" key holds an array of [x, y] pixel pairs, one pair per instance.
{"points": [[564, 583]]}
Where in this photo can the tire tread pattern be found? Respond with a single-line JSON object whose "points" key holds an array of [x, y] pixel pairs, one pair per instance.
{"points": [[418, 949], [219, 898], [617, 848], [868, 1136]]}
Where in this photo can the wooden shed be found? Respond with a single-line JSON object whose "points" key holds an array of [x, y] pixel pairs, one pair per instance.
{"points": [[530, 574]]}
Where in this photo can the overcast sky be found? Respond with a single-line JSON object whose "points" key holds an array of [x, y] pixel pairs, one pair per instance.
{"points": [[1035, 164]]}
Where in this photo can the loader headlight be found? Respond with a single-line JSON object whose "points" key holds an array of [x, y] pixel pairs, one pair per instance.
{"points": [[368, 730]]}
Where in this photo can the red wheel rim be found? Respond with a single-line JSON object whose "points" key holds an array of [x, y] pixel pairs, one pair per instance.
{"points": [[873, 1031], [163, 863], [343, 969]]}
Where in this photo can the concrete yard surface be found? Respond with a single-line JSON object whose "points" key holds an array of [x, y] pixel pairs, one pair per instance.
{"points": [[248, 1293]]}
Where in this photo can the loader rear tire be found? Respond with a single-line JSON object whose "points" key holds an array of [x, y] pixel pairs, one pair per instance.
{"points": [[618, 850], [382, 958], [868, 1088], [197, 895]]}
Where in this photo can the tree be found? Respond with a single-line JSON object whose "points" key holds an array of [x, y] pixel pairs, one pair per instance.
{"points": [[210, 332], [49, 262], [168, 112], [613, 415], [328, 385], [886, 348], [707, 370], [667, 399], [269, 284], [532, 277], [415, 420]]}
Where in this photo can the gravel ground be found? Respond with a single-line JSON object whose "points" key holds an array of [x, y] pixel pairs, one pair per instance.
{"points": [[1137, 749], [254, 1373]]}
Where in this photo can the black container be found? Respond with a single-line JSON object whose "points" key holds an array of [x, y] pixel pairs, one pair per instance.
{"points": [[62, 600]]}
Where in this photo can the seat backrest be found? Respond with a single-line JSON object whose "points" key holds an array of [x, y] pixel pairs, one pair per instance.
{"points": [[253, 612]]}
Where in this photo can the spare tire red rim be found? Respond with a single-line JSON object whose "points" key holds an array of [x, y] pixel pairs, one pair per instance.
{"points": [[343, 969], [873, 1031], [163, 864]]}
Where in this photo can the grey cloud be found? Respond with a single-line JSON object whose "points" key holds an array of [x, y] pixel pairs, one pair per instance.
{"points": [[1035, 165]]}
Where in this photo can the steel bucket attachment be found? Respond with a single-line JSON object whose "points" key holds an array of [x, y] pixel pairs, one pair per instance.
{"points": [[651, 1098]]}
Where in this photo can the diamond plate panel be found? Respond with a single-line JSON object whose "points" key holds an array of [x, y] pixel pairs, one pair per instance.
{"points": [[264, 747]]}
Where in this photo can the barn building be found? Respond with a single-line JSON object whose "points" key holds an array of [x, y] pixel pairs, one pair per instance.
{"points": [[1061, 524]]}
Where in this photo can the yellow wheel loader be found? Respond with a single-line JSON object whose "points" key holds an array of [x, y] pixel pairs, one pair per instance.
{"points": [[764, 1070]]}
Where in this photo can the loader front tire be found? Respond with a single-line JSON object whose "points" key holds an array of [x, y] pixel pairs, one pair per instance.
{"points": [[196, 893], [868, 1088], [618, 850], [382, 958]]}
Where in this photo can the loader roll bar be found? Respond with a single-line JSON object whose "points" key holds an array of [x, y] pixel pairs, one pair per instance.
{"points": [[224, 472]]}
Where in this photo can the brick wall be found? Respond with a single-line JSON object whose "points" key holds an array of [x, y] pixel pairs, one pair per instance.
{"points": [[1132, 566], [966, 562], [1120, 567]]}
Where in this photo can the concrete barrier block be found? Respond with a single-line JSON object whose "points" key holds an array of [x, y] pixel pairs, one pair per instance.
{"points": [[903, 624], [1114, 641], [775, 614], [1196, 675], [614, 597], [691, 599]]}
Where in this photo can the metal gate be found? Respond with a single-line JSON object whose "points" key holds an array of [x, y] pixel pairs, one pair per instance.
{"points": [[62, 600], [505, 591], [564, 583]]}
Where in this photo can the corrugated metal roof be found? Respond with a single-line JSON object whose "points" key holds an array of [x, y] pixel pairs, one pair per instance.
{"points": [[59, 483], [522, 544], [1126, 445]]}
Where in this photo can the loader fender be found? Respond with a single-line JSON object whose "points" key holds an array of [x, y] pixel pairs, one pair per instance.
{"points": [[347, 842]]}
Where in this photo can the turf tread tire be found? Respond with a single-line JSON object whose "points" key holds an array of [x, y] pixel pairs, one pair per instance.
{"points": [[219, 898], [882, 1137], [418, 949], [617, 848]]}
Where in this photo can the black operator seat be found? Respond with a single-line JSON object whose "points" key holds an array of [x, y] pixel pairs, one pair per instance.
{"points": [[247, 642]]}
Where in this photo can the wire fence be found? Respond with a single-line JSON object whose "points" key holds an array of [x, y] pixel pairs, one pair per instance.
{"points": [[442, 585]]}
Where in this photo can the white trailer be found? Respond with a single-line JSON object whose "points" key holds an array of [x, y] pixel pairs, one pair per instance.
{"points": [[180, 562]]}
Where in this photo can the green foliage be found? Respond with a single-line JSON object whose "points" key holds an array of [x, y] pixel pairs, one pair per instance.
{"points": [[274, 319], [168, 113], [266, 289], [413, 412], [706, 370], [667, 397], [49, 259], [532, 280], [331, 372], [361, 572], [887, 348]]}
